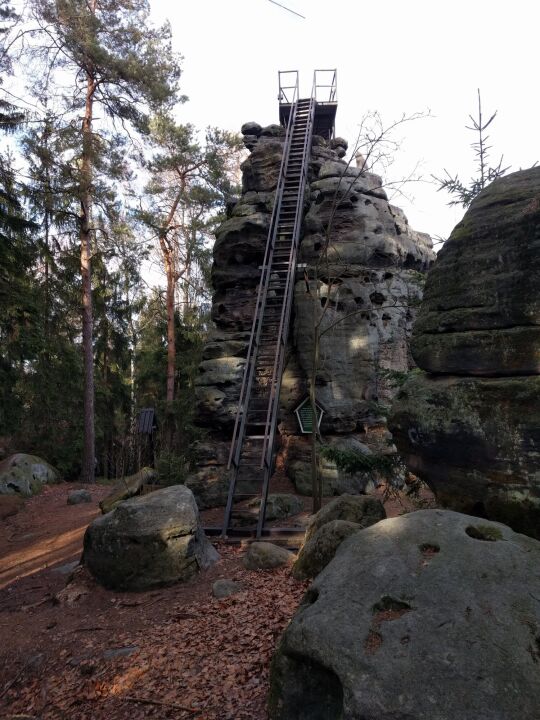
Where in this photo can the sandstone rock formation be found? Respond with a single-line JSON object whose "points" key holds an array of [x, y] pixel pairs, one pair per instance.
{"points": [[369, 283], [25, 474], [429, 615], [471, 426], [146, 541]]}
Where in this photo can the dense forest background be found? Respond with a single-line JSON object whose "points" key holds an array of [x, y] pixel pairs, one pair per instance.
{"points": [[107, 206]]}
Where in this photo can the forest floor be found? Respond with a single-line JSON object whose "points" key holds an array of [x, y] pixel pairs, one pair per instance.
{"points": [[86, 653]]}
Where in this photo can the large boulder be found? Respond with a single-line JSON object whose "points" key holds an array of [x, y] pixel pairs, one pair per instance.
{"points": [[25, 475], [156, 539], [480, 313], [475, 442], [431, 615], [376, 266], [471, 427]]}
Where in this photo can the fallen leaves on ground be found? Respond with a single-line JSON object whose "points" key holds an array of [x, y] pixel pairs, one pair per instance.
{"points": [[206, 660]]}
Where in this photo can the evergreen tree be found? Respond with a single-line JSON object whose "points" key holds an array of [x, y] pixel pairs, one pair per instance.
{"points": [[114, 60], [190, 183]]}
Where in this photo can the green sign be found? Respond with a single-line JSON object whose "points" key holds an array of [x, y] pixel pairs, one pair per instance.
{"points": [[304, 413]]}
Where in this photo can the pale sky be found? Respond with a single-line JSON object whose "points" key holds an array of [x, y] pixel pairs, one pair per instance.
{"points": [[390, 56]]}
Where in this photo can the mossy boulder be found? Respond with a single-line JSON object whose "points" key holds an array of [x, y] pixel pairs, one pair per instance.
{"points": [[362, 510], [416, 618], [147, 541], [266, 556], [25, 475], [317, 552]]}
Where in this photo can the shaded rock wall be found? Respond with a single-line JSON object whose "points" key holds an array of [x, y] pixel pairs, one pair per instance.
{"points": [[471, 426], [365, 290]]}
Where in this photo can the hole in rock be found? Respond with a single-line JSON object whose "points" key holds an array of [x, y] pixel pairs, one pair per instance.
{"points": [[390, 604], [377, 298], [378, 230], [429, 549], [368, 202], [315, 693], [484, 532], [359, 301], [388, 275]]}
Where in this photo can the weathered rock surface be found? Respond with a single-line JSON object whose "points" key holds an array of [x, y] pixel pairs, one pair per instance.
{"points": [[265, 555], [127, 487], [25, 475], [321, 547], [471, 428], [148, 541], [278, 505], [334, 480], [75, 497], [481, 309], [225, 587], [362, 510], [431, 615], [376, 259], [476, 442]]}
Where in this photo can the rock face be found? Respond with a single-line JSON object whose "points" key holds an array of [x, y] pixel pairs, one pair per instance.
{"points": [[366, 287], [471, 426], [481, 309], [152, 540], [25, 474], [429, 615]]}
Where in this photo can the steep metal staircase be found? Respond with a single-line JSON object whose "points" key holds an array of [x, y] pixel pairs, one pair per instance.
{"points": [[252, 448]]}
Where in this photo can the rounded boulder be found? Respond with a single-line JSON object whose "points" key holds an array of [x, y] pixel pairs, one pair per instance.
{"points": [[147, 541], [433, 614]]}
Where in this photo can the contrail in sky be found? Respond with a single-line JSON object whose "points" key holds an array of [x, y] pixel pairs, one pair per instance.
{"points": [[286, 8]]}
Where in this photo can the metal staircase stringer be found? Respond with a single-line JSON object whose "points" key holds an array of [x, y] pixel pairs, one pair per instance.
{"points": [[249, 369], [277, 375]]}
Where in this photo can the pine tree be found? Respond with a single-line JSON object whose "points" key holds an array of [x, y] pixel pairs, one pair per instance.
{"points": [[190, 183], [116, 61]]}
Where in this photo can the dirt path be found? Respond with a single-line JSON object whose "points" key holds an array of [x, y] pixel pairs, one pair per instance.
{"points": [[169, 653]]}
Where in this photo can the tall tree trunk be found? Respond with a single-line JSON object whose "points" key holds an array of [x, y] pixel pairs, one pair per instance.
{"points": [[167, 250], [171, 338], [88, 459]]}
